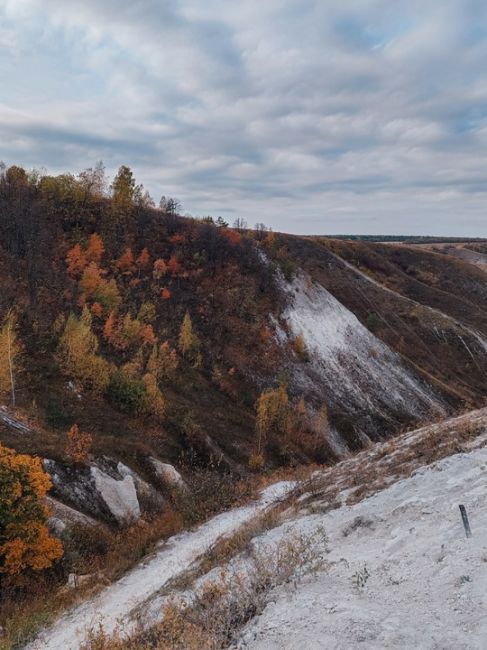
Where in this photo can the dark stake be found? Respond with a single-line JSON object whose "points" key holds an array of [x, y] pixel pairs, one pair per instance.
{"points": [[466, 524]]}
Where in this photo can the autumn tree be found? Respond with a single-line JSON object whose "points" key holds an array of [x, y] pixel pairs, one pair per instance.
{"points": [[78, 445], [77, 353], [76, 260], [10, 350], [143, 260], [124, 187], [95, 249], [147, 335], [91, 279], [126, 262], [173, 266], [156, 404], [162, 361], [147, 312], [189, 343], [25, 542], [108, 327], [108, 295], [159, 269], [272, 415], [300, 348]]}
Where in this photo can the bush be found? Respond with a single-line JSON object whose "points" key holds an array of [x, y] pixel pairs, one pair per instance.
{"points": [[208, 493], [127, 393]]}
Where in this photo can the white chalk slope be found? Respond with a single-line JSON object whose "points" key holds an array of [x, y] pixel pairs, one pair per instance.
{"points": [[428, 584], [353, 366]]}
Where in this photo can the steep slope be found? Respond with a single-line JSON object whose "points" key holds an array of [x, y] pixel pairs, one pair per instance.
{"points": [[349, 368], [440, 328]]}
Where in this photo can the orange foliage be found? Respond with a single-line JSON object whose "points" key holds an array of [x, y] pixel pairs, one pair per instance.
{"points": [[173, 265], [178, 239], [147, 335], [76, 260], [165, 294], [91, 279], [78, 445], [95, 249], [25, 542], [97, 309], [143, 261], [232, 235], [125, 262], [160, 269]]}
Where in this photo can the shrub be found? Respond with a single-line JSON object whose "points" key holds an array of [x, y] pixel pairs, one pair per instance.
{"points": [[127, 393]]}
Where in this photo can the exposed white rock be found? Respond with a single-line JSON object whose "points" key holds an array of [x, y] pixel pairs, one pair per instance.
{"points": [[349, 366], [141, 486], [64, 514], [168, 474], [120, 497]]}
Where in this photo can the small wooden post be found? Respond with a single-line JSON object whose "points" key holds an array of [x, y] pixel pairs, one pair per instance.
{"points": [[466, 523]]}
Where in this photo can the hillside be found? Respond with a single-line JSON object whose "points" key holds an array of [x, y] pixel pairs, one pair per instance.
{"points": [[414, 318], [165, 368]]}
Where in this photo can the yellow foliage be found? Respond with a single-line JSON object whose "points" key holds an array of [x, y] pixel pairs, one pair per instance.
{"points": [[25, 542], [273, 415], [156, 402], [163, 361], [9, 355], [76, 353], [189, 343]]}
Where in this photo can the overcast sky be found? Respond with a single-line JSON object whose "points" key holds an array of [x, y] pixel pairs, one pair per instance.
{"points": [[313, 116]]}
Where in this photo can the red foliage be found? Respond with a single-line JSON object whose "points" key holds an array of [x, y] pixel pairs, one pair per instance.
{"points": [[147, 335], [143, 261], [95, 249], [126, 262], [108, 327], [76, 260], [232, 235], [165, 294], [173, 266], [97, 309], [178, 239]]}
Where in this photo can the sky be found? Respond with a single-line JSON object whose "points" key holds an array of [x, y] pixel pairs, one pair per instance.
{"points": [[312, 116]]}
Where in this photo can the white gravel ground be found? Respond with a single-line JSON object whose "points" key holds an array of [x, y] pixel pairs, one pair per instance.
{"points": [[427, 585]]}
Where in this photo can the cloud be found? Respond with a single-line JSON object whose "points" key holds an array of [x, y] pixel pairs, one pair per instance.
{"points": [[309, 115]]}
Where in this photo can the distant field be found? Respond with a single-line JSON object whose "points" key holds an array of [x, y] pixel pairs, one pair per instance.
{"points": [[410, 239]]}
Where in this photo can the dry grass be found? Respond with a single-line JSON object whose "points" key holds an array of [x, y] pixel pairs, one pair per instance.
{"points": [[375, 468], [210, 617]]}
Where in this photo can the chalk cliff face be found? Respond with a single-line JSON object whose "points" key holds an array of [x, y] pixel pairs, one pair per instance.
{"points": [[347, 367]]}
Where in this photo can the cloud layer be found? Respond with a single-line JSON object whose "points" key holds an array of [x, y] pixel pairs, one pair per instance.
{"points": [[314, 116]]}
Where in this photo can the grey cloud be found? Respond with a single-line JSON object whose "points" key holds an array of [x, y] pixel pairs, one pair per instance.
{"points": [[309, 114]]}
